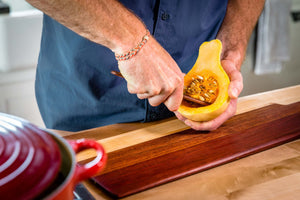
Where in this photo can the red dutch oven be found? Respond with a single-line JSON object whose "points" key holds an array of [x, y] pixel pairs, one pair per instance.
{"points": [[38, 164]]}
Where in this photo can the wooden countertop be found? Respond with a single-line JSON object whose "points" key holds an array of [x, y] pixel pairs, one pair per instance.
{"points": [[271, 174]]}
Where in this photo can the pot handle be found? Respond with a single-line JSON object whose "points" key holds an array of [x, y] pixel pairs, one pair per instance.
{"points": [[93, 167]]}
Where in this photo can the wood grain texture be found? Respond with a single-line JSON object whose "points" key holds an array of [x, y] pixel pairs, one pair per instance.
{"points": [[148, 164], [133, 133]]}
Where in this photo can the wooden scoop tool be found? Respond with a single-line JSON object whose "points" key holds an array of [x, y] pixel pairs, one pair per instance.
{"points": [[185, 97]]}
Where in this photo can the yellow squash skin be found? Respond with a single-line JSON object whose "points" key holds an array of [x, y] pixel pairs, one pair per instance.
{"points": [[208, 64]]}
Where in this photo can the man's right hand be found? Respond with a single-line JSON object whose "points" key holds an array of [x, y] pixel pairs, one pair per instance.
{"points": [[153, 74]]}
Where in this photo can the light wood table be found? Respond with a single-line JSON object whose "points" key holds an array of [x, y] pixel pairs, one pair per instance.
{"points": [[271, 174]]}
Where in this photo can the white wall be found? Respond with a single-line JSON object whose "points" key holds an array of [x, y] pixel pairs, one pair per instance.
{"points": [[290, 74]]}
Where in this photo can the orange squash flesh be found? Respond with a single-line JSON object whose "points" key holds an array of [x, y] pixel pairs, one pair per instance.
{"points": [[206, 81]]}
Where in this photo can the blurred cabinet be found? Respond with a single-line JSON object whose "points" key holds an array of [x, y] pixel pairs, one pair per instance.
{"points": [[17, 95], [20, 35]]}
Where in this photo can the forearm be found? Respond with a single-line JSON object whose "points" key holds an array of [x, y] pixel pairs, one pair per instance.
{"points": [[239, 22], [106, 22]]}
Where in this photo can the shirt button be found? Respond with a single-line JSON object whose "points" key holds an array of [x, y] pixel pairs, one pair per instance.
{"points": [[153, 116], [165, 16]]}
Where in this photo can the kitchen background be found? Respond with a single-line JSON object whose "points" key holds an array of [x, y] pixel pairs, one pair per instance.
{"points": [[272, 61]]}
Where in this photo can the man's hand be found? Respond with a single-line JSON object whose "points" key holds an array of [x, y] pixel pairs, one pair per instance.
{"points": [[153, 74], [235, 88]]}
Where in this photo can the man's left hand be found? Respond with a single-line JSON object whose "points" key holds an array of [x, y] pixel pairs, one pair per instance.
{"points": [[235, 88]]}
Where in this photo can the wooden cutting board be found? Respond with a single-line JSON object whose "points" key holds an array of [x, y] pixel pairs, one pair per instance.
{"points": [[148, 164]]}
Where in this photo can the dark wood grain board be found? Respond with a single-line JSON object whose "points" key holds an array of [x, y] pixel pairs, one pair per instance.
{"points": [[142, 166]]}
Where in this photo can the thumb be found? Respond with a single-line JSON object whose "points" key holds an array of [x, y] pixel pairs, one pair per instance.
{"points": [[236, 79], [236, 84]]}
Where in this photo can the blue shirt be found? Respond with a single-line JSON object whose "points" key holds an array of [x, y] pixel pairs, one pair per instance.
{"points": [[74, 87]]}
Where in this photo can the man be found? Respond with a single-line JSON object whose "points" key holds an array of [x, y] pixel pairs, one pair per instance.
{"points": [[82, 39]]}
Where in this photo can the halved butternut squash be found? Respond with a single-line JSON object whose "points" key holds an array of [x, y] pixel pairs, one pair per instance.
{"points": [[208, 82]]}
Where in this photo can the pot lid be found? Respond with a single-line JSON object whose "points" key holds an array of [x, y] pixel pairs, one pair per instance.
{"points": [[29, 159]]}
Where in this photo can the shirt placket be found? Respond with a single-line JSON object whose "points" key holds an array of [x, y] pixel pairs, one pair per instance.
{"points": [[165, 24], [163, 31]]}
